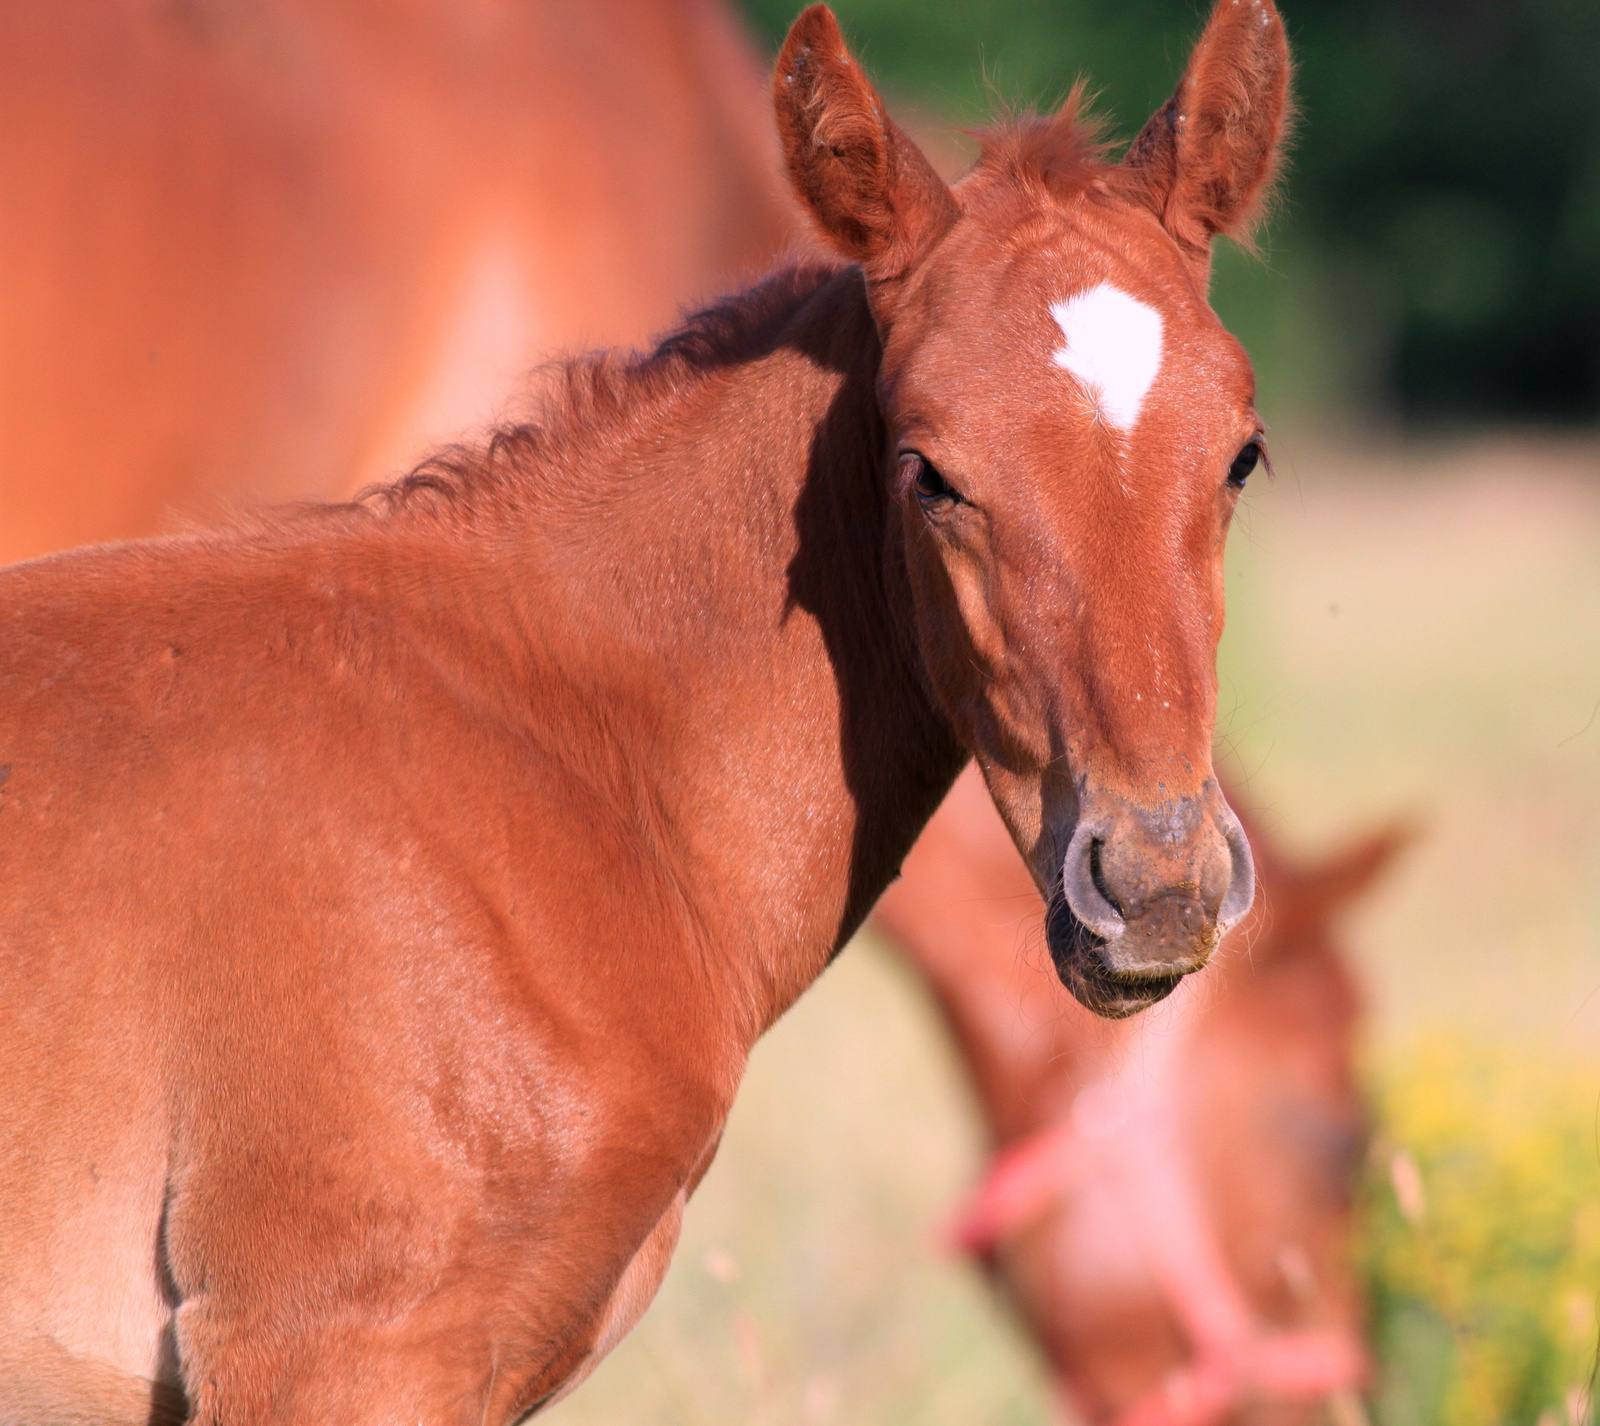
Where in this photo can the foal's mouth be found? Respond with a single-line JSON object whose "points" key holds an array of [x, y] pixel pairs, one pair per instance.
{"points": [[1075, 949]]}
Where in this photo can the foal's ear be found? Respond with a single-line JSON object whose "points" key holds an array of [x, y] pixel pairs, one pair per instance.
{"points": [[875, 196], [1205, 162]]}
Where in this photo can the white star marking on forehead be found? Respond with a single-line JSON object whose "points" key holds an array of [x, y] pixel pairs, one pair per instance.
{"points": [[1113, 347]]}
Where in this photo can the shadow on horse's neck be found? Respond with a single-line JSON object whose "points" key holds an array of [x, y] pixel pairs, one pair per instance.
{"points": [[883, 757], [897, 753], [712, 535]]}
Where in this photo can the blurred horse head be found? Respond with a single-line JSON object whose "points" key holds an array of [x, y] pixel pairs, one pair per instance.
{"points": [[1073, 428], [1170, 1204]]}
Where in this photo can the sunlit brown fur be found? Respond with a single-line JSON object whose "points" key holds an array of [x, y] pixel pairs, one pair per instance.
{"points": [[391, 893]]}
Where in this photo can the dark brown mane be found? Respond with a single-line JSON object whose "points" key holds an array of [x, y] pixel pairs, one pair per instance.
{"points": [[1061, 153], [582, 405]]}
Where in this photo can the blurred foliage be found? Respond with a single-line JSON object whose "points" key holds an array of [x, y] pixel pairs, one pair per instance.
{"points": [[1442, 234], [1483, 1241]]}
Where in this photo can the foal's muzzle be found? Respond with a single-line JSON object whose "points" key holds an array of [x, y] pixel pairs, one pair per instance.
{"points": [[1145, 896]]}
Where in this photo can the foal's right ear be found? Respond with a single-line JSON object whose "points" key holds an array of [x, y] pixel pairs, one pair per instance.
{"points": [[871, 190], [1207, 159]]}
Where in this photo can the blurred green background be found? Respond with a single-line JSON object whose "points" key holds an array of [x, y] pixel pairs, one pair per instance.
{"points": [[1437, 258]]}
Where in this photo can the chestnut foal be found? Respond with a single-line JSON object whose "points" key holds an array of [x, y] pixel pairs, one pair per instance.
{"points": [[1170, 1203], [392, 893]]}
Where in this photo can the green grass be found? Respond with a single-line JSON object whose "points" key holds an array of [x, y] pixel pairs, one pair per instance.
{"points": [[1483, 1241]]}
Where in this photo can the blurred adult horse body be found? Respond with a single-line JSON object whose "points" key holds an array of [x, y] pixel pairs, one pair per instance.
{"points": [[391, 893], [271, 250]]}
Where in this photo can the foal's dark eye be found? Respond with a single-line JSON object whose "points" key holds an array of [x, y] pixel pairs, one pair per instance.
{"points": [[931, 487], [1243, 463]]}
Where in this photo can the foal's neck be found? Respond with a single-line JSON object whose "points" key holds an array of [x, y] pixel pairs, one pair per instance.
{"points": [[732, 569]]}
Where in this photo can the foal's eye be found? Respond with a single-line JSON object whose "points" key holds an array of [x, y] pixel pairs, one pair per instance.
{"points": [[931, 487], [1243, 463]]}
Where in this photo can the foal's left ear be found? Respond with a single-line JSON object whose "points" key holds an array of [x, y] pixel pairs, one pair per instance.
{"points": [[1205, 162], [870, 189]]}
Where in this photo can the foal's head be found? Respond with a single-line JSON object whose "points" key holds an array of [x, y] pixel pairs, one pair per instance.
{"points": [[1073, 429]]}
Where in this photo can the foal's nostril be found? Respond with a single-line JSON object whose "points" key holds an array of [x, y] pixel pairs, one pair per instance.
{"points": [[1086, 887], [1097, 875]]}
